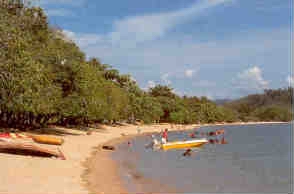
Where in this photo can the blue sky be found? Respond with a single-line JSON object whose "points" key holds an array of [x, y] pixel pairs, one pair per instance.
{"points": [[214, 48]]}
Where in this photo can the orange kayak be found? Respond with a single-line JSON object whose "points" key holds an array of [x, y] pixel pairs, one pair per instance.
{"points": [[44, 139]]}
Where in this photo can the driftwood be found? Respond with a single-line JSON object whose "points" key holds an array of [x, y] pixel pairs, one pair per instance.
{"points": [[106, 147], [28, 149]]}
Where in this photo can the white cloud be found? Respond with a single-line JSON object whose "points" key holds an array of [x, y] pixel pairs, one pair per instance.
{"points": [[151, 84], [177, 92], [137, 29], [189, 73], [251, 80], [267, 47], [165, 78], [82, 39], [133, 79], [137, 50], [290, 80], [59, 12], [168, 53], [129, 31], [71, 35]]}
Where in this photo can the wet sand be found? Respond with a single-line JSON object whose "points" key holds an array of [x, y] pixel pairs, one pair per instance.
{"points": [[101, 174], [108, 179]]}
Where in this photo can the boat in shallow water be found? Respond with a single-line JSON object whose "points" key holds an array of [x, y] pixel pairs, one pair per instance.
{"points": [[184, 144]]}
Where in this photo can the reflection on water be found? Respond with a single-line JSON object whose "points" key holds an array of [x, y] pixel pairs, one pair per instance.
{"points": [[257, 158]]}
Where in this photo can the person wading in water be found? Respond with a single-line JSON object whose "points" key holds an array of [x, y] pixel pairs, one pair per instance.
{"points": [[164, 137]]}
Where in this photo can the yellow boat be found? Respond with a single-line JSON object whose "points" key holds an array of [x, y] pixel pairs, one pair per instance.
{"points": [[45, 139], [184, 144]]}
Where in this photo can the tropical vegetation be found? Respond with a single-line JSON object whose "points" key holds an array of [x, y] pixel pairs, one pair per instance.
{"points": [[46, 79]]}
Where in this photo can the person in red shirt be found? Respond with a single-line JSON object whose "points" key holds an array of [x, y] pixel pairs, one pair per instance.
{"points": [[192, 135], [164, 137]]}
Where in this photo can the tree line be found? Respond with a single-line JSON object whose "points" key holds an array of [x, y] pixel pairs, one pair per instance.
{"points": [[46, 79], [272, 105]]}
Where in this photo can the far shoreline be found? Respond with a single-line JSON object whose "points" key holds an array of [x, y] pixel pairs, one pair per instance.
{"points": [[90, 177]]}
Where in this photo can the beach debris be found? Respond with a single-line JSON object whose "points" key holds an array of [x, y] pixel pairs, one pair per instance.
{"points": [[123, 134], [107, 147], [89, 133], [22, 148]]}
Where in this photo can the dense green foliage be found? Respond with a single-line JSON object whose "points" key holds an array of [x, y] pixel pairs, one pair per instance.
{"points": [[272, 105], [45, 78]]}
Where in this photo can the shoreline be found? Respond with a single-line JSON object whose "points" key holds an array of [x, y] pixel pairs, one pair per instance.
{"points": [[50, 176], [91, 176], [112, 176]]}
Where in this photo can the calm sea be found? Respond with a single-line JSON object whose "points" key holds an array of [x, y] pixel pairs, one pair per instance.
{"points": [[257, 159]]}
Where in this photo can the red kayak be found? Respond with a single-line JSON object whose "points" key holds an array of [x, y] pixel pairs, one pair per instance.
{"points": [[5, 135]]}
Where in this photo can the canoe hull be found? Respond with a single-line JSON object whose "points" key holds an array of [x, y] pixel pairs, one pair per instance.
{"points": [[47, 140], [184, 144]]}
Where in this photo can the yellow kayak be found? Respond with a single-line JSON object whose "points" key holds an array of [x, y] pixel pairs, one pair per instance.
{"points": [[44, 139], [184, 144]]}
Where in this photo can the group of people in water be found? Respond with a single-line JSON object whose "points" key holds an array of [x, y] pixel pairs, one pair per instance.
{"points": [[164, 139], [164, 135], [155, 142], [211, 134]]}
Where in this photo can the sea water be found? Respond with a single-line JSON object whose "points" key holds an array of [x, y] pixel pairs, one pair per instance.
{"points": [[257, 159]]}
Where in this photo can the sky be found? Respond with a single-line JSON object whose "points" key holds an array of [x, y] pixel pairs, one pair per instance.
{"points": [[214, 48]]}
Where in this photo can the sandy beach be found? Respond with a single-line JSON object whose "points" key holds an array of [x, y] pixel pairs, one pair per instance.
{"points": [[26, 174]]}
